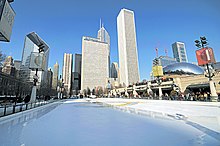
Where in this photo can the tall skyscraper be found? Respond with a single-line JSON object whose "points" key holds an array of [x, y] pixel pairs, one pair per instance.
{"points": [[76, 76], [67, 72], [179, 52], [103, 36], [49, 78], [127, 48], [95, 63], [55, 76], [114, 70], [31, 43], [78, 63]]}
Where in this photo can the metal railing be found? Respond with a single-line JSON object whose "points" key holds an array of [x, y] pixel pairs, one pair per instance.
{"points": [[8, 109]]}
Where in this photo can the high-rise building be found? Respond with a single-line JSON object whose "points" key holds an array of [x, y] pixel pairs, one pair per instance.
{"points": [[55, 76], [17, 65], [76, 75], [103, 35], [49, 78], [67, 72], [114, 70], [31, 44], [164, 61], [95, 63], [78, 63], [179, 52], [127, 48], [95, 60], [8, 66]]}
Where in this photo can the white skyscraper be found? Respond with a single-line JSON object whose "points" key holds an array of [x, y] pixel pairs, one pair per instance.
{"points": [[179, 52], [127, 48], [95, 60], [67, 72]]}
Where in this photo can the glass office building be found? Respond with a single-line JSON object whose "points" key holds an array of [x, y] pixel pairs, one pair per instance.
{"points": [[179, 52]]}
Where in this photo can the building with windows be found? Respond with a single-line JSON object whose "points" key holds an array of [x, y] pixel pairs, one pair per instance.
{"points": [[67, 72], [49, 79], [78, 63], [8, 66], [127, 48], [55, 76], [114, 70], [179, 52], [95, 63], [76, 75], [31, 44]]}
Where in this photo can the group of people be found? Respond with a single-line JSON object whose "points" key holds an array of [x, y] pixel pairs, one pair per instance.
{"points": [[190, 96], [193, 96]]}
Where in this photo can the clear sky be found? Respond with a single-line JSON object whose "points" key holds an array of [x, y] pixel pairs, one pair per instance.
{"points": [[159, 23]]}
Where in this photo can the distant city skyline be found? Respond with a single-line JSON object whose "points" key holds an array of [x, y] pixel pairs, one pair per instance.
{"points": [[158, 24]]}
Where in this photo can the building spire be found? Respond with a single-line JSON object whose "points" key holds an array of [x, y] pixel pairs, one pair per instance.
{"points": [[100, 23]]}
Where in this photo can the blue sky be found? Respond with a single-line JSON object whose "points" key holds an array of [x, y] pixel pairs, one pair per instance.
{"points": [[159, 23]]}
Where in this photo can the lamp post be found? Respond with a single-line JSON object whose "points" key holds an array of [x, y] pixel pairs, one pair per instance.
{"points": [[61, 88], [202, 43], [34, 89]]}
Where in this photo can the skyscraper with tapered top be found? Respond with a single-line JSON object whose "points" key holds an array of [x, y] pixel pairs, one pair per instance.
{"points": [[127, 48]]}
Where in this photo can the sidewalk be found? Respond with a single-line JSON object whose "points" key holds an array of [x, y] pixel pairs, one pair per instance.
{"points": [[202, 115]]}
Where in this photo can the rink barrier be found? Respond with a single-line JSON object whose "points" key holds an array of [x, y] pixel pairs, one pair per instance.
{"points": [[9, 109]]}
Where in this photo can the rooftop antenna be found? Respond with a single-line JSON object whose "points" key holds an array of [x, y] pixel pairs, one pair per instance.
{"points": [[156, 52], [100, 23], [156, 49]]}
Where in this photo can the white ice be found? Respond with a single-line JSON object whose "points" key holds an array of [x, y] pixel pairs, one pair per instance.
{"points": [[79, 123]]}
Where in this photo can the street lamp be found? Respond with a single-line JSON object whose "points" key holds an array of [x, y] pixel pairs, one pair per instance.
{"points": [[37, 65], [202, 43], [60, 94]]}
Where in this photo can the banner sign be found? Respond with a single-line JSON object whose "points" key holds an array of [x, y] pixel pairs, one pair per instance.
{"points": [[157, 71], [205, 56], [37, 61], [7, 16]]}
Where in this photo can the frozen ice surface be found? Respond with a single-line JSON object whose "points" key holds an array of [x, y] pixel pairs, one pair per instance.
{"points": [[75, 123]]}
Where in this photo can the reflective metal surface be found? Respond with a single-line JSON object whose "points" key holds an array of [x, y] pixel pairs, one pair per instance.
{"points": [[182, 68]]}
